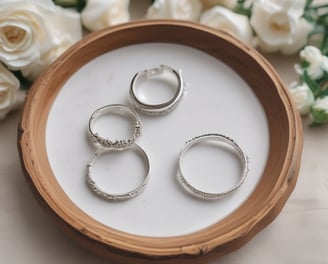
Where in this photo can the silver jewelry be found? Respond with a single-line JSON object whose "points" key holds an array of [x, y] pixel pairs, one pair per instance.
{"points": [[114, 109], [221, 138], [117, 197], [155, 109]]}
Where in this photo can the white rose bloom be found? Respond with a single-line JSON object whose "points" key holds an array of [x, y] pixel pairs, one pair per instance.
{"points": [[319, 110], [317, 62], [23, 30], [226, 3], [302, 96], [31, 29], [65, 31], [324, 64], [99, 14], [175, 9], [221, 18], [279, 25], [9, 88]]}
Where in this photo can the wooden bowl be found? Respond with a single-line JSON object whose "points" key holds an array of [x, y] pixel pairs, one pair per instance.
{"points": [[229, 234]]}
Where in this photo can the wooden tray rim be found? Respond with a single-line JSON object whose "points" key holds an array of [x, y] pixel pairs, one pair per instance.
{"points": [[187, 244]]}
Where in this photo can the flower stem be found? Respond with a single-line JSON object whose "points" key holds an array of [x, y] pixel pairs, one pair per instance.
{"points": [[324, 44], [314, 87]]}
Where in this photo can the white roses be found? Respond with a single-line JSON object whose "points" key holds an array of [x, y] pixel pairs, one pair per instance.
{"points": [[279, 25], [311, 95], [33, 32], [317, 63], [99, 14], [225, 3], [319, 111], [175, 9], [23, 30], [302, 97], [9, 87], [222, 18]]}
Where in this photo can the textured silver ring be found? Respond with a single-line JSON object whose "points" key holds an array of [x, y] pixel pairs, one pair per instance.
{"points": [[155, 109], [119, 196], [120, 110], [212, 137]]}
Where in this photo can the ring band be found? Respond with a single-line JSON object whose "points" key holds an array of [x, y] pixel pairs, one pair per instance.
{"points": [[155, 109], [114, 109], [223, 139], [116, 197]]}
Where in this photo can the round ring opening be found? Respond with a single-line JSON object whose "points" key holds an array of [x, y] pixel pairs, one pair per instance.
{"points": [[225, 144], [148, 104], [115, 109], [118, 196]]}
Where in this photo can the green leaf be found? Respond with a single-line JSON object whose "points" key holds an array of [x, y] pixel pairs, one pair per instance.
{"points": [[79, 4], [323, 79], [66, 3], [314, 87], [305, 64], [24, 83], [241, 9], [323, 94], [323, 83], [308, 3], [324, 44], [320, 116], [322, 20], [325, 76]]}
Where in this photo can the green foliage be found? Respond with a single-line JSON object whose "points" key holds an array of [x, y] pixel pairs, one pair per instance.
{"points": [[242, 9], [318, 16], [78, 4], [320, 116], [314, 87], [24, 83]]}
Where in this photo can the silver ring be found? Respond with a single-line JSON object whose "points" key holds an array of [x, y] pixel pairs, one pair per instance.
{"points": [[223, 139], [120, 110], [117, 197], [155, 109]]}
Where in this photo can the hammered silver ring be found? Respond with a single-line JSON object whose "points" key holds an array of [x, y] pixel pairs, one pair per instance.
{"points": [[161, 108], [118, 109], [212, 137], [117, 196]]}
